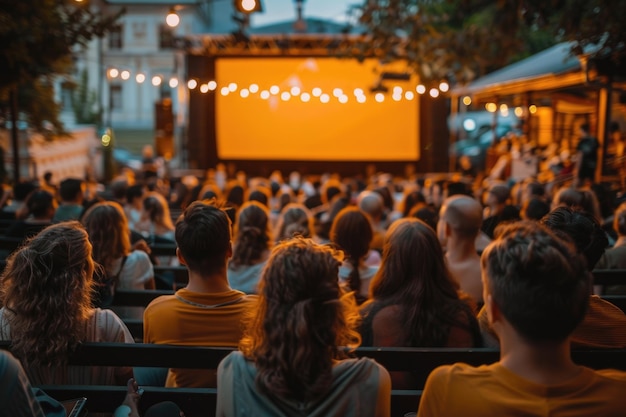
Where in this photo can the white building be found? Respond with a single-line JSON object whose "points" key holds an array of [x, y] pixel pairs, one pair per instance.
{"points": [[124, 67]]}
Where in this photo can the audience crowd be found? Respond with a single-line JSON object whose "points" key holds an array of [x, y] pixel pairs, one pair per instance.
{"points": [[297, 272]]}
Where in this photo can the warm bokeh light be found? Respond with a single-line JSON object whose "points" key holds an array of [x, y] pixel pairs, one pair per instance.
{"points": [[491, 107], [361, 98], [343, 99], [274, 89], [324, 98], [248, 5], [379, 97], [254, 88], [532, 109], [140, 78], [519, 112], [265, 94], [125, 75], [244, 93], [467, 100], [337, 92], [295, 90], [172, 19], [409, 95], [113, 73], [173, 82], [305, 97], [212, 85], [396, 97], [156, 81], [224, 91], [444, 86], [504, 110], [434, 93], [191, 84], [232, 87], [285, 96], [204, 88], [420, 89], [397, 90], [316, 92], [358, 92]]}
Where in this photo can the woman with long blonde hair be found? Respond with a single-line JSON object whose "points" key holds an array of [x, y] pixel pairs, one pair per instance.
{"points": [[46, 293], [291, 360]]}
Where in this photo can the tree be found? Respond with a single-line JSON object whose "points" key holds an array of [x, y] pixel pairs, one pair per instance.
{"points": [[38, 38], [458, 40]]}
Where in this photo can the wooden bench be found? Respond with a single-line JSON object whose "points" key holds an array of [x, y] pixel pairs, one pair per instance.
{"points": [[202, 401]]}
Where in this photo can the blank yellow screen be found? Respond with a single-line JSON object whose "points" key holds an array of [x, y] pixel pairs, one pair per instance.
{"points": [[250, 127]]}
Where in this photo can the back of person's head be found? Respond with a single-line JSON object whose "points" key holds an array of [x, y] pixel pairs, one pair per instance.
{"points": [[71, 189], [330, 190], [537, 280], [46, 290], [411, 200], [534, 209], [414, 276], [21, 190], [300, 323], [352, 232], [108, 231], [252, 234], [425, 213], [157, 209], [500, 193], [371, 203], [584, 200], [203, 236], [133, 192], [260, 194], [41, 204], [619, 220], [294, 220], [585, 127], [464, 216], [119, 188], [582, 229], [234, 194]]}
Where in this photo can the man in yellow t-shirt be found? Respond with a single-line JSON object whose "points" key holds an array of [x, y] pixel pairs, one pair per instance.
{"points": [[536, 290], [207, 312]]}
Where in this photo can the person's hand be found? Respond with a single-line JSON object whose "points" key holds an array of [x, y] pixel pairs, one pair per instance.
{"points": [[132, 398]]}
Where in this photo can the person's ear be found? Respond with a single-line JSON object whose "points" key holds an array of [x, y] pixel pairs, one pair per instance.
{"points": [[180, 257], [229, 253]]}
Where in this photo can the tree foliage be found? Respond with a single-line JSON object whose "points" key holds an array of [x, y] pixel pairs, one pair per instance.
{"points": [[459, 40], [38, 39]]}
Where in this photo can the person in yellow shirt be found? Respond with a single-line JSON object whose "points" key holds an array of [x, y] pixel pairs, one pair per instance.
{"points": [[536, 291], [207, 312]]}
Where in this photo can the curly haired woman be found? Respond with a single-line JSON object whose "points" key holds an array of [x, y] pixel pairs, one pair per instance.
{"points": [[291, 362], [46, 293], [251, 249]]}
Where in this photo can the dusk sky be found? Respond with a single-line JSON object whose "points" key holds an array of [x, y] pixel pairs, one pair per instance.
{"points": [[280, 10]]}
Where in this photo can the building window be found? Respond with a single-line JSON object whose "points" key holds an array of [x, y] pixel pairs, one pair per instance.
{"points": [[67, 91], [166, 37], [115, 97], [116, 38]]}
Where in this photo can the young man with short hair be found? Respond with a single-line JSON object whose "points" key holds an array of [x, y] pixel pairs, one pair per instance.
{"points": [[207, 312], [536, 291]]}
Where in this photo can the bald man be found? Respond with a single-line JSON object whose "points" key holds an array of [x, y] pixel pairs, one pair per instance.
{"points": [[460, 218]]}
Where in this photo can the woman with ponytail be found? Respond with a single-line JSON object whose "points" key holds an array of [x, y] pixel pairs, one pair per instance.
{"points": [[46, 293], [352, 233], [251, 249], [292, 356]]}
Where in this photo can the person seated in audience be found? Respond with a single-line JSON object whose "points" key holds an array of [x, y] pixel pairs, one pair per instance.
{"points": [[21, 191], [294, 220], [536, 292], [414, 301], [122, 267], [292, 359], [35, 216], [352, 233], [574, 198], [604, 325], [615, 258], [460, 218], [155, 223], [134, 204], [373, 205], [534, 209], [71, 193], [46, 292], [251, 248], [497, 209], [207, 312]]}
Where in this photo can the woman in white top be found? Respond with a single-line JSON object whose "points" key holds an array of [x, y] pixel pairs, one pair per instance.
{"points": [[46, 293]]}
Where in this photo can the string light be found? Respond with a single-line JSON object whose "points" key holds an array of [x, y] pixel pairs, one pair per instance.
{"points": [[358, 92], [397, 90], [156, 81], [324, 98], [337, 92], [361, 98], [204, 88], [305, 97], [265, 94], [173, 82], [343, 99], [254, 88], [443, 86], [191, 84], [232, 87], [491, 107], [317, 92], [224, 91], [295, 90], [519, 112], [212, 85], [244, 93], [125, 75], [113, 73], [467, 100], [285, 96], [140, 78], [420, 89], [379, 97], [434, 93], [409, 95], [532, 109], [274, 89]]}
